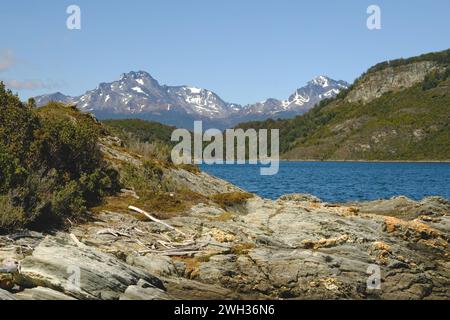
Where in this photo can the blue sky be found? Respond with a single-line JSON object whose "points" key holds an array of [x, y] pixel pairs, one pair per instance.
{"points": [[245, 51]]}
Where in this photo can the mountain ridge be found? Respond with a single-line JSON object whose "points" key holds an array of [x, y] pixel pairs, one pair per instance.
{"points": [[138, 95]]}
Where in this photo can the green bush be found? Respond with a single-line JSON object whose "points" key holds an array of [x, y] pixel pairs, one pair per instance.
{"points": [[146, 138], [441, 57], [146, 179], [11, 216], [68, 199], [433, 79]]}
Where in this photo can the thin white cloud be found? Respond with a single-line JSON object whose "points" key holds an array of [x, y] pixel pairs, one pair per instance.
{"points": [[7, 59], [32, 84], [25, 84]]}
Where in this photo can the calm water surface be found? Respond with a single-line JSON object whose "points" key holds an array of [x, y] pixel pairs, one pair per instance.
{"points": [[341, 181]]}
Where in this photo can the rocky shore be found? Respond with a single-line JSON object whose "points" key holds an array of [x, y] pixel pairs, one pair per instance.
{"points": [[296, 247], [226, 244]]}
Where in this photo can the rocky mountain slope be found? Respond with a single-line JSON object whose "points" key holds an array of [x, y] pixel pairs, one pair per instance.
{"points": [[138, 95], [397, 110], [221, 243]]}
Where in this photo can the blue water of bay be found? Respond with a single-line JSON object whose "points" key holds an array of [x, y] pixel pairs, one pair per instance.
{"points": [[341, 181]]}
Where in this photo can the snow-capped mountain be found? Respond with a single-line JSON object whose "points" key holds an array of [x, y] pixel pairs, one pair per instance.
{"points": [[301, 100], [138, 95]]}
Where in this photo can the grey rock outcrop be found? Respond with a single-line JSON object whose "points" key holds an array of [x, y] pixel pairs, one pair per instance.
{"points": [[83, 272], [406, 208], [144, 291], [5, 295], [293, 248], [374, 85], [299, 197]]}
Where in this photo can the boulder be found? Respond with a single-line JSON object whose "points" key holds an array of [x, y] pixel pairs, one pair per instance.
{"points": [[404, 207], [154, 264], [144, 291], [300, 197]]}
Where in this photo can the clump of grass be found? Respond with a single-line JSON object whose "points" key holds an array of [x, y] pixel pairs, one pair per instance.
{"points": [[149, 139], [146, 179], [165, 205], [115, 204], [242, 248], [230, 199], [150, 150]]}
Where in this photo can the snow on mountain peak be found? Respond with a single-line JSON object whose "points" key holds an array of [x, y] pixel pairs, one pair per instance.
{"points": [[138, 89], [137, 93], [322, 81], [195, 90]]}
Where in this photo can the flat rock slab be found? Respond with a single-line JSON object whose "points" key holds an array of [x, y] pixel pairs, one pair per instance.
{"points": [[5, 295], [41, 293], [79, 271]]}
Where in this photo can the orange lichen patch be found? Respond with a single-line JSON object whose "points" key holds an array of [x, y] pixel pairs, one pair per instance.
{"points": [[393, 224], [345, 211], [314, 205], [416, 231], [222, 236], [437, 243], [380, 245], [325, 243], [192, 265], [353, 210], [382, 251]]}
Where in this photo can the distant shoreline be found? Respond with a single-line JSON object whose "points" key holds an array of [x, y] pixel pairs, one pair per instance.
{"points": [[368, 161]]}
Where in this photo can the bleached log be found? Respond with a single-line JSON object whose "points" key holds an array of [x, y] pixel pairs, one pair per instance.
{"points": [[171, 253], [78, 242], [156, 220], [113, 232]]}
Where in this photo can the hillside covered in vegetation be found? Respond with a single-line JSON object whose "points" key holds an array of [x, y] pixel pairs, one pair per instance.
{"points": [[59, 167], [139, 227], [397, 110]]}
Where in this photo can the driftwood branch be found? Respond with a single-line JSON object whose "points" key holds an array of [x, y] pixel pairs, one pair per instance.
{"points": [[171, 253], [78, 242], [156, 220], [113, 232]]}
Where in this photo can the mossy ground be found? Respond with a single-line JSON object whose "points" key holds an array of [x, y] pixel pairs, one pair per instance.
{"points": [[227, 200]]}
